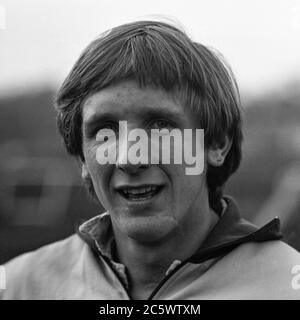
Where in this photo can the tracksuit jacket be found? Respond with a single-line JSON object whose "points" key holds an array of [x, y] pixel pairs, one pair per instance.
{"points": [[236, 261]]}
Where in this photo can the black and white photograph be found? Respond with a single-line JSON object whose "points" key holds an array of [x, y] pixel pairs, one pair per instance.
{"points": [[149, 151]]}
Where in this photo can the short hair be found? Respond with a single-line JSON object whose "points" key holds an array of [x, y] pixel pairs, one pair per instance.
{"points": [[158, 54]]}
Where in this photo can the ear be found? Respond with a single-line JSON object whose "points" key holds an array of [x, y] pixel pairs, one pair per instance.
{"points": [[216, 155], [84, 171]]}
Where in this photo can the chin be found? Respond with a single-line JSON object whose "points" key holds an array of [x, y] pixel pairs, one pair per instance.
{"points": [[149, 229]]}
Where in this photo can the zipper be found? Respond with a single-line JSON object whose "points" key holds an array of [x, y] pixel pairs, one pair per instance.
{"points": [[165, 279]]}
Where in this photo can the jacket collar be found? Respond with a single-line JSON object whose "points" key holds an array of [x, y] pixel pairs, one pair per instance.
{"points": [[98, 233], [230, 231]]}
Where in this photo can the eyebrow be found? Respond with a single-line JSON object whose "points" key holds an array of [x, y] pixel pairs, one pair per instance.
{"points": [[92, 122]]}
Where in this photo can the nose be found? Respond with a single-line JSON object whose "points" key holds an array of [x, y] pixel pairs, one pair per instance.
{"points": [[132, 169], [128, 162]]}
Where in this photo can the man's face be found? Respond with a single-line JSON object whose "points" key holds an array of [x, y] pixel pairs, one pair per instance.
{"points": [[146, 202]]}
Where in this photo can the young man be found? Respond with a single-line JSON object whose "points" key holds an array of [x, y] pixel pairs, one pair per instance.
{"points": [[166, 234]]}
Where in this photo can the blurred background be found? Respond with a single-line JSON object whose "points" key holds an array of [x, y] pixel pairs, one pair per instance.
{"points": [[41, 195]]}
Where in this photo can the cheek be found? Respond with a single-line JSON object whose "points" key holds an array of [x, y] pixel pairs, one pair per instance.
{"points": [[184, 187], [101, 177], [90, 152], [100, 174]]}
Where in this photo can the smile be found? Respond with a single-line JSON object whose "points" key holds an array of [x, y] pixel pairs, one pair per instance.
{"points": [[140, 193]]}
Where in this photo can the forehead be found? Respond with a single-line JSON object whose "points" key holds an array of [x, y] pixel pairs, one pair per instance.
{"points": [[127, 100]]}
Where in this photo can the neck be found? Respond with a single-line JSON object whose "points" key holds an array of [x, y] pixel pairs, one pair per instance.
{"points": [[147, 263]]}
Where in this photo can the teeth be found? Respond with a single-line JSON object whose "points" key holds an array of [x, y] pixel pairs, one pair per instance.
{"points": [[137, 191], [141, 190]]}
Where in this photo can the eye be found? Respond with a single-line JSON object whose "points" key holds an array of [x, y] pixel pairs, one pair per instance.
{"points": [[108, 125], [161, 124]]}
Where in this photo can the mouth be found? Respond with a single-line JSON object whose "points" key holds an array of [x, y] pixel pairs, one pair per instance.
{"points": [[139, 193]]}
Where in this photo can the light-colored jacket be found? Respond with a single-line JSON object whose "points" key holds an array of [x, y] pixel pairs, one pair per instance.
{"points": [[236, 261]]}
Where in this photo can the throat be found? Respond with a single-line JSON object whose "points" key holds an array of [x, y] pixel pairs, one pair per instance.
{"points": [[140, 292]]}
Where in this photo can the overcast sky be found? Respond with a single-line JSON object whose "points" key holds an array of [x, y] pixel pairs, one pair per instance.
{"points": [[40, 39]]}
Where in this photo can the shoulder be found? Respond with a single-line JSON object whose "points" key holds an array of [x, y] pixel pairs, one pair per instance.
{"points": [[39, 268], [270, 252], [59, 252], [268, 270]]}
